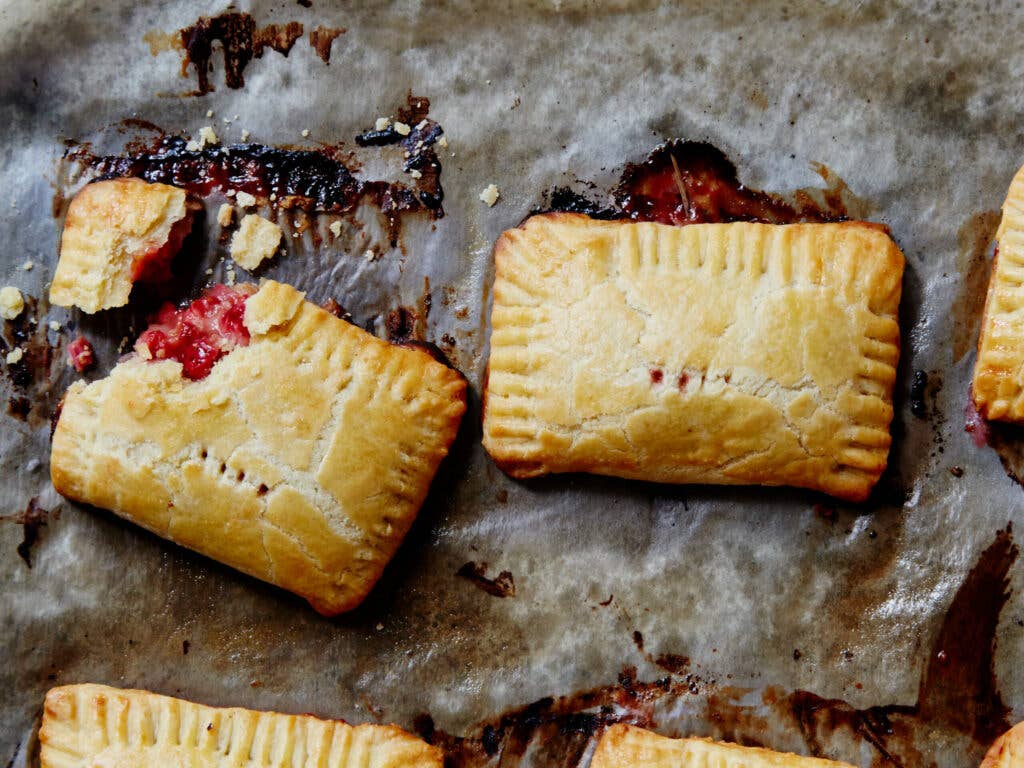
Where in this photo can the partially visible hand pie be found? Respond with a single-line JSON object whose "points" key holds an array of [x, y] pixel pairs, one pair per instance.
{"points": [[1007, 751], [710, 353], [625, 746], [94, 726], [118, 232], [998, 386], [262, 431]]}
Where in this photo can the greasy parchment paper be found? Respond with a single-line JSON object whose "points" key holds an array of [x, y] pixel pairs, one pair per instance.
{"points": [[917, 107]]}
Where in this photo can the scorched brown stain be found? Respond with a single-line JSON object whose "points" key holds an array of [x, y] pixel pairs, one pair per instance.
{"points": [[322, 38], [32, 518], [974, 239], [957, 694], [31, 396], [502, 585]]}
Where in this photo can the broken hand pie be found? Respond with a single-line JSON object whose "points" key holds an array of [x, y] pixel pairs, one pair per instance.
{"points": [[94, 726], [998, 386], [625, 746], [264, 432], [117, 232], [734, 353]]}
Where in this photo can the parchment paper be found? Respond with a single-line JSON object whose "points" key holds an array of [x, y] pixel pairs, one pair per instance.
{"points": [[918, 107]]}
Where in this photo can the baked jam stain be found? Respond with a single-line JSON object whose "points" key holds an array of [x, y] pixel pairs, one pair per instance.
{"points": [[241, 40], [322, 180], [322, 38], [958, 701], [32, 518], [917, 391], [688, 182], [503, 585]]}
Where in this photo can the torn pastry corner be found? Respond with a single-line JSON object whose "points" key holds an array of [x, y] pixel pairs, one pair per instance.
{"points": [[255, 240], [117, 232], [626, 746], [272, 306], [1007, 751], [90, 724]]}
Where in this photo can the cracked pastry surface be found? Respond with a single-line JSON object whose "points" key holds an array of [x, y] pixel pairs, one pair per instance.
{"points": [[735, 353], [95, 726], [998, 385], [301, 459], [626, 746], [116, 232]]}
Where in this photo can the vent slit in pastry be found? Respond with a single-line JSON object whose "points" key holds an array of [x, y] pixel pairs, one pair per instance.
{"points": [[735, 353], [94, 726], [117, 232], [300, 457]]}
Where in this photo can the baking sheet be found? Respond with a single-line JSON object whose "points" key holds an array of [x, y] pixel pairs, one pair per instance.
{"points": [[769, 616]]}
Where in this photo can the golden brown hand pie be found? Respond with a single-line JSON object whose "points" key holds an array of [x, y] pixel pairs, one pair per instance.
{"points": [[1007, 751], [301, 458], [707, 353], [116, 232], [625, 746], [94, 726], [998, 386]]}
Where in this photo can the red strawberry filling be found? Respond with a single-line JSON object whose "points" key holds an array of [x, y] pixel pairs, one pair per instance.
{"points": [[80, 354], [200, 334], [154, 266]]}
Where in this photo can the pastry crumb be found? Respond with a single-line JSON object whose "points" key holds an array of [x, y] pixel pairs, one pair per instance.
{"points": [[256, 239], [305, 132], [244, 199], [11, 302], [273, 196], [402, 129], [415, 174], [225, 214], [229, 275], [209, 113], [54, 326], [230, 193], [370, 255], [15, 355], [207, 136], [421, 125], [442, 142], [490, 195], [192, 145], [28, 265], [380, 626], [382, 124], [245, 135], [335, 228]]}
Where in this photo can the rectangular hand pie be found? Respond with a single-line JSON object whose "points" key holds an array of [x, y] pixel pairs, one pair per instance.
{"points": [[709, 353], [1007, 751], [116, 232], [998, 386], [260, 430], [625, 746], [94, 726]]}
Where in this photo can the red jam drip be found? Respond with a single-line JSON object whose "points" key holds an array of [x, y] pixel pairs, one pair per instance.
{"points": [[199, 335], [155, 265], [80, 354], [975, 425]]}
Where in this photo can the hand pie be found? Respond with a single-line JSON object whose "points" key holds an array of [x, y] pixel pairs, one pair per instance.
{"points": [[708, 353], [93, 726], [266, 433], [625, 746], [998, 386], [117, 232], [1007, 751]]}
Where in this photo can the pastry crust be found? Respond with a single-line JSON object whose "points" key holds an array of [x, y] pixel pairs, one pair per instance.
{"points": [[302, 459], [625, 746], [95, 726], [110, 225], [1007, 751], [255, 240], [998, 386], [710, 353]]}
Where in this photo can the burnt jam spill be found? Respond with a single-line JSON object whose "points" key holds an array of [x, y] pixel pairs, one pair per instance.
{"points": [[957, 693]]}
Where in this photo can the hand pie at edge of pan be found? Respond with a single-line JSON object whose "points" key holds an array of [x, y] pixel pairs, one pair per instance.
{"points": [[301, 459], [117, 232], [95, 726], [626, 746], [735, 353], [1007, 751], [998, 386]]}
